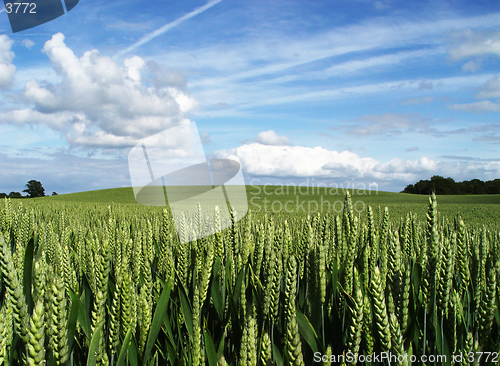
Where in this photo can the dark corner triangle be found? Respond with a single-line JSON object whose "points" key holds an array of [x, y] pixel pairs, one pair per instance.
{"points": [[70, 4]]}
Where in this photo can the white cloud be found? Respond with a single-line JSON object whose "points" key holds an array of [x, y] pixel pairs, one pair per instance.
{"points": [[476, 43], [271, 138], [393, 124], [292, 161], [242, 99], [298, 162], [483, 106], [98, 102], [57, 121], [349, 68], [243, 77], [471, 66], [490, 90], [27, 43], [7, 69], [401, 166], [166, 77], [134, 66], [277, 52], [185, 101]]}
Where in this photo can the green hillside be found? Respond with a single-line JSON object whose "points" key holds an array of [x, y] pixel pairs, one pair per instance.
{"points": [[113, 195], [275, 199]]}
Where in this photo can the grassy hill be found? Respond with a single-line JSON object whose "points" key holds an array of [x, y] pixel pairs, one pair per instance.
{"points": [[476, 209], [113, 195]]}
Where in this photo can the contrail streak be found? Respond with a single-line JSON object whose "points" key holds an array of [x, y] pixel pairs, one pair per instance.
{"points": [[148, 37], [1, 11]]}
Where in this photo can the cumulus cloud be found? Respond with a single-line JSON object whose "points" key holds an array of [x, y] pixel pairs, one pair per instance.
{"points": [[27, 43], [298, 162], [292, 161], [271, 138], [400, 166], [163, 76], [57, 121], [99, 103], [7, 69]]}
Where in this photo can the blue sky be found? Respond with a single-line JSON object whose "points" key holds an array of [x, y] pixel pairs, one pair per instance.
{"points": [[342, 92]]}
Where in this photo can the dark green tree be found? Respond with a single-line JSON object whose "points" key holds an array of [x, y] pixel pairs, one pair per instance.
{"points": [[442, 186], [15, 195], [34, 189]]}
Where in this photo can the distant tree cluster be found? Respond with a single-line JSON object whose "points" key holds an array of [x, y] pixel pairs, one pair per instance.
{"points": [[33, 188], [11, 195], [445, 186]]}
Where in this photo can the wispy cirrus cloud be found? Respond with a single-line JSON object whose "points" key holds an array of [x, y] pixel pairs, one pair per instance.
{"points": [[413, 148], [478, 107], [150, 36], [388, 124], [471, 43], [264, 67], [489, 90], [399, 124], [418, 101]]}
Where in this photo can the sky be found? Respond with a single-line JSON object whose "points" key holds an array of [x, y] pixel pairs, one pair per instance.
{"points": [[346, 93]]}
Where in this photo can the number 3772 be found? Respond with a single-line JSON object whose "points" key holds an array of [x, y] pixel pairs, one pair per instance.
{"points": [[9, 7]]}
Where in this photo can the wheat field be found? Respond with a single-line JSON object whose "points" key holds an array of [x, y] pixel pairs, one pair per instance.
{"points": [[98, 284]]}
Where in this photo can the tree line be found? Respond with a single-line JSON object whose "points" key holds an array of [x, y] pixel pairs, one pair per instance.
{"points": [[445, 186], [33, 189]]}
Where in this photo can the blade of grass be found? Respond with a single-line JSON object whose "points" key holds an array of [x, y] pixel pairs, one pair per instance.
{"points": [[160, 312]]}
